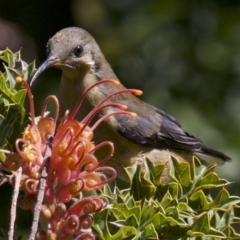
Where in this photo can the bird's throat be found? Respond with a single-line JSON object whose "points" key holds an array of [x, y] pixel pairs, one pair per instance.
{"points": [[72, 87]]}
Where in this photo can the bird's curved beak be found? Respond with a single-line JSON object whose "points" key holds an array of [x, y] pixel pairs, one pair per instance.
{"points": [[51, 61]]}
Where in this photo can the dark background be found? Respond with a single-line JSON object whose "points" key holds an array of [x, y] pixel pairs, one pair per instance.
{"points": [[184, 55]]}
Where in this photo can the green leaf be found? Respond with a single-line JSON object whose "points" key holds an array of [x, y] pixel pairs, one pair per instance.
{"points": [[224, 201], [182, 172], [201, 228], [8, 57], [141, 186], [230, 233], [155, 171], [10, 79], [211, 180], [10, 127]]}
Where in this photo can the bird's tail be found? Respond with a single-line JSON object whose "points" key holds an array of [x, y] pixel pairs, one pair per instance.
{"points": [[211, 156]]}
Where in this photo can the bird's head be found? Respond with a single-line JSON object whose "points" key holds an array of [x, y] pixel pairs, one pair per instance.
{"points": [[72, 50]]}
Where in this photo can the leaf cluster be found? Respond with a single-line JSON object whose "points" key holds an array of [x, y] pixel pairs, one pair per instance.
{"points": [[12, 96], [194, 205]]}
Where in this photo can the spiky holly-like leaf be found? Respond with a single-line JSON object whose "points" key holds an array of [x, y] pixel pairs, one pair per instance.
{"points": [[184, 209]]}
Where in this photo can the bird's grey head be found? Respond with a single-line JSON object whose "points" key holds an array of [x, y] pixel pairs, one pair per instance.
{"points": [[71, 49]]}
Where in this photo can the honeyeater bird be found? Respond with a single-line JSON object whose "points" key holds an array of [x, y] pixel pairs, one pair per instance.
{"points": [[152, 134]]}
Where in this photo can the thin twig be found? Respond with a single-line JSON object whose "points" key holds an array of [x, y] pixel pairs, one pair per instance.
{"points": [[38, 203], [18, 176]]}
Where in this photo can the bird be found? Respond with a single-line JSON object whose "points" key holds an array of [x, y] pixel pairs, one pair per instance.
{"points": [[152, 134]]}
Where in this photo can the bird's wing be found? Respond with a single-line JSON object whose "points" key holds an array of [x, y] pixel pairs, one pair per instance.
{"points": [[153, 127]]}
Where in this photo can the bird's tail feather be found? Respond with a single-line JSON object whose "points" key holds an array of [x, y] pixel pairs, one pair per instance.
{"points": [[211, 156]]}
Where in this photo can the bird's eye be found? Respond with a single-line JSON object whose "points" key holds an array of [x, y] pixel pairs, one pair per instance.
{"points": [[78, 51]]}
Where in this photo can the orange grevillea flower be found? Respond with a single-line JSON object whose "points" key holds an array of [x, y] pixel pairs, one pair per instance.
{"points": [[68, 154]]}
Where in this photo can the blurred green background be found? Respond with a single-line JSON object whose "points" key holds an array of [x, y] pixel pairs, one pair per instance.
{"points": [[184, 55]]}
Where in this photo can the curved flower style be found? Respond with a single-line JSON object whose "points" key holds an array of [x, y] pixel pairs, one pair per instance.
{"points": [[66, 151]]}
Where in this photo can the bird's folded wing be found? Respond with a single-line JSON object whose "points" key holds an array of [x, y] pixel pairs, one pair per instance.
{"points": [[153, 127]]}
